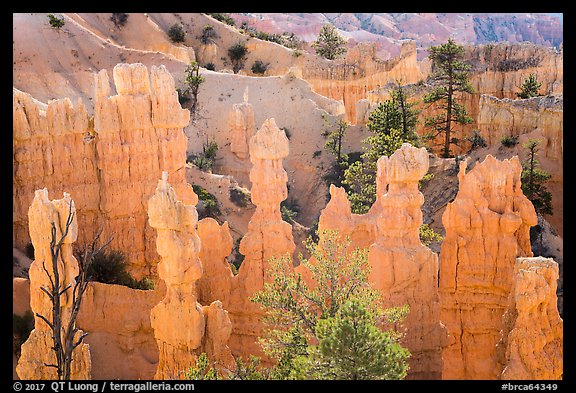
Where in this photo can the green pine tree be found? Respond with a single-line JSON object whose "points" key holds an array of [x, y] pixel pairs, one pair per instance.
{"points": [[352, 347], [294, 310], [329, 44], [533, 181], [450, 76], [530, 87]]}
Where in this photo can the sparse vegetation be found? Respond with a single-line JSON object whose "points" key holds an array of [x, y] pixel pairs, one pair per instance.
{"points": [[119, 19], [210, 206], [289, 209], [209, 35], [56, 22], [176, 33], [110, 267], [239, 196], [193, 80], [259, 67], [509, 140], [224, 18], [210, 66], [476, 140], [428, 235], [205, 160], [237, 54]]}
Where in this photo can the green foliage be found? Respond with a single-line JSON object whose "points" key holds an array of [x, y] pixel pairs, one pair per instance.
{"points": [[509, 140], [210, 66], [317, 153], [208, 35], [239, 196], [294, 311], [289, 210], [352, 347], [224, 18], [533, 180], [21, 328], [210, 206], [329, 43], [237, 54], [119, 19], [288, 40], [56, 22], [202, 371], [176, 33], [530, 87], [109, 267], [476, 140], [259, 67], [335, 134], [449, 76], [193, 80], [205, 160], [427, 235]]}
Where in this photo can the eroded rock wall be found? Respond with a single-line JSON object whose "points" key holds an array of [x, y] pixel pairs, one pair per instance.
{"points": [[487, 228], [401, 268], [531, 344], [267, 236], [110, 163]]}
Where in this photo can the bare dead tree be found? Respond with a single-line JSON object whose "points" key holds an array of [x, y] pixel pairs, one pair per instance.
{"points": [[64, 337]]}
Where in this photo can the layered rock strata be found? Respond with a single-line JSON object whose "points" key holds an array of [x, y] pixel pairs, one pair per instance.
{"points": [[531, 344], [111, 163], [178, 320], [401, 268], [268, 236], [487, 228], [46, 217], [182, 327]]}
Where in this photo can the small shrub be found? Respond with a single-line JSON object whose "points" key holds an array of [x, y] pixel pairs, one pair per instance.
{"points": [[239, 196], [289, 210], [237, 54], [109, 267], [205, 160], [119, 19], [208, 35], [259, 67], [183, 96], [177, 33], [224, 18], [476, 140], [209, 202], [55, 22], [317, 153], [509, 140], [427, 235], [425, 179], [210, 66]]}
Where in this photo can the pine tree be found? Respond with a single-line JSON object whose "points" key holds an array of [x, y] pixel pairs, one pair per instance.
{"points": [[352, 347], [391, 123], [533, 179], [335, 134], [294, 310], [450, 75], [530, 87], [329, 44]]}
